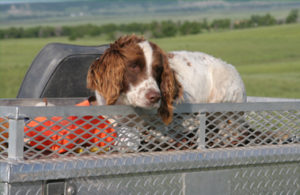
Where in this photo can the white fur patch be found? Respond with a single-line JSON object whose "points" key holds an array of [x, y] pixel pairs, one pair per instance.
{"points": [[148, 52], [136, 95], [206, 79]]}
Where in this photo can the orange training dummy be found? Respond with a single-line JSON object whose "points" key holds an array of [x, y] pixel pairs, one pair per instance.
{"points": [[59, 134]]}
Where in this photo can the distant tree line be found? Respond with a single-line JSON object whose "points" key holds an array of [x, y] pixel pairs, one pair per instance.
{"points": [[151, 30]]}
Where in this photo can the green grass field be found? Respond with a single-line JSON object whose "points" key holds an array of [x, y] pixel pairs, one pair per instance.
{"points": [[268, 58]]}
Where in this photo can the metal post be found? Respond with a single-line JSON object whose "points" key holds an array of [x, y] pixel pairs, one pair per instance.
{"points": [[201, 131], [16, 136]]}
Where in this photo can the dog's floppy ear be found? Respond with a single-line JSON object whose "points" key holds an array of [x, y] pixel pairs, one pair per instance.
{"points": [[105, 75], [170, 88]]}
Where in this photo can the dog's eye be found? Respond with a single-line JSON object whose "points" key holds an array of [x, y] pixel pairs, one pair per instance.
{"points": [[134, 66], [158, 69]]}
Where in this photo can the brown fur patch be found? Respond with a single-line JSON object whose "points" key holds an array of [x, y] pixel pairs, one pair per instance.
{"points": [[110, 74], [187, 62], [170, 87], [171, 55]]}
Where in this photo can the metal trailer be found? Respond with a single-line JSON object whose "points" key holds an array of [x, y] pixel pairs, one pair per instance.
{"points": [[249, 148], [245, 148]]}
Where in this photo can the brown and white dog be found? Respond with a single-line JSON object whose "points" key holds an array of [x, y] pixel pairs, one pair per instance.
{"points": [[134, 71]]}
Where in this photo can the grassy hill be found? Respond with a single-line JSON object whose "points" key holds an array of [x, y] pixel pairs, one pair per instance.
{"points": [[268, 58], [73, 12]]}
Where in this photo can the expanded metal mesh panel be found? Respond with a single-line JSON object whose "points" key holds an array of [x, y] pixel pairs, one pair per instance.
{"points": [[252, 128], [3, 137], [58, 136], [71, 131], [68, 136]]}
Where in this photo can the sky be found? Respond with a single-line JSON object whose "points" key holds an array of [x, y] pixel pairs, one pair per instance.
{"points": [[22, 1]]}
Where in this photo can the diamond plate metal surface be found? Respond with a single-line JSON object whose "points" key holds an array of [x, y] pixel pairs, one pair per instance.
{"points": [[259, 179], [26, 188], [270, 179], [157, 183]]}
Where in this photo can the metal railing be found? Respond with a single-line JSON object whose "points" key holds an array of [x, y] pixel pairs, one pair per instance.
{"points": [[64, 131], [245, 148]]}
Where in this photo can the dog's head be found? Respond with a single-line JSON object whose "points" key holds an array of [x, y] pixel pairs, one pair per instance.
{"points": [[134, 71]]}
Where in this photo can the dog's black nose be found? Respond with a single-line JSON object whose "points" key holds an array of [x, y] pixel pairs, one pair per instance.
{"points": [[153, 96]]}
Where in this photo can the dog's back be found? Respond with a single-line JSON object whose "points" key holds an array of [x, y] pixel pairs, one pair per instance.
{"points": [[206, 79]]}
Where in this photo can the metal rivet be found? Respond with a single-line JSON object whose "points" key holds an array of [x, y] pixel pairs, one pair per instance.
{"points": [[71, 190]]}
